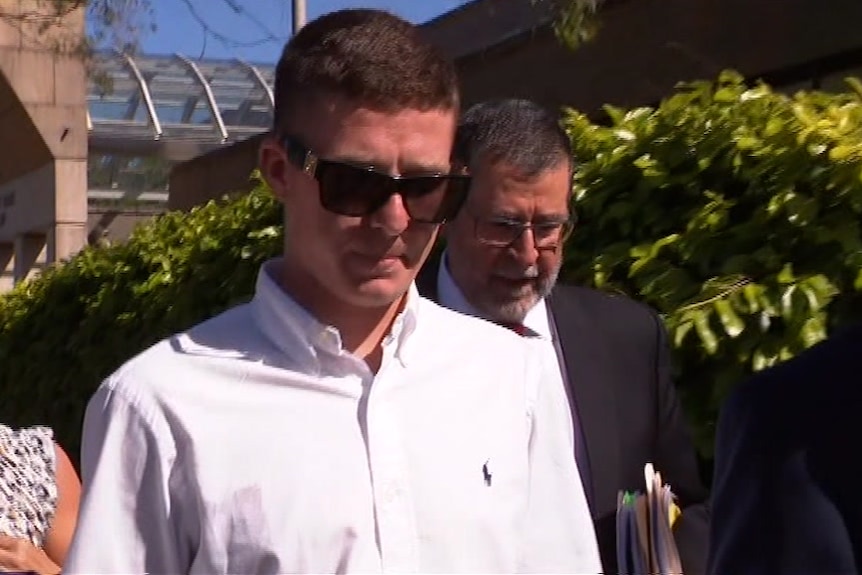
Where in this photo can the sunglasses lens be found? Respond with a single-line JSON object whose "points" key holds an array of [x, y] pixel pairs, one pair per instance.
{"points": [[434, 199], [352, 191]]}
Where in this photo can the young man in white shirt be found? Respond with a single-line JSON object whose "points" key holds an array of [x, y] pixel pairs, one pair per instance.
{"points": [[338, 422]]}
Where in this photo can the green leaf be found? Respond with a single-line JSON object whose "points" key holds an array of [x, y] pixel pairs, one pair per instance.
{"points": [[821, 285], [681, 331], [704, 331], [748, 143], [733, 325], [726, 95], [785, 276], [842, 152], [813, 331]]}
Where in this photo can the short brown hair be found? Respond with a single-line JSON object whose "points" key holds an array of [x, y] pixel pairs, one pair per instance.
{"points": [[369, 57]]}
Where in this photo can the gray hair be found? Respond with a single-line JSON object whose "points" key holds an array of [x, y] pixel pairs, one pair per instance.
{"points": [[519, 133]]}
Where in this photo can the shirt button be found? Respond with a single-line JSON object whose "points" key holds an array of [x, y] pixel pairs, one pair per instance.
{"points": [[391, 492], [326, 339]]}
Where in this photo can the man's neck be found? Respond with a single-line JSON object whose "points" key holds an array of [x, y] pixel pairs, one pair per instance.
{"points": [[361, 329], [368, 333]]}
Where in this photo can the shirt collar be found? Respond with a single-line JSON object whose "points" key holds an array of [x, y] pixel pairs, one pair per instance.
{"points": [[300, 336], [451, 296]]}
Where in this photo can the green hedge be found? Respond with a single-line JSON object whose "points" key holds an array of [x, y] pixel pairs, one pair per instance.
{"points": [[62, 333], [734, 211]]}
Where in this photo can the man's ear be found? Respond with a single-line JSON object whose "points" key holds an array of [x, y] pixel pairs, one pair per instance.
{"points": [[273, 165]]}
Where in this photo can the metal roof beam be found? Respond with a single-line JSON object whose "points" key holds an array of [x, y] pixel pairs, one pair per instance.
{"points": [[145, 94], [258, 79], [198, 75]]}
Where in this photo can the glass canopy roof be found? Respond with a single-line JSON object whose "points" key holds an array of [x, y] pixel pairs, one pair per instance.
{"points": [[175, 106]]}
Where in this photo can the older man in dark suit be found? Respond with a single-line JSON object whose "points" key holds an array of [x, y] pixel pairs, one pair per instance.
{"points": [[787, 467], [503, 255]]}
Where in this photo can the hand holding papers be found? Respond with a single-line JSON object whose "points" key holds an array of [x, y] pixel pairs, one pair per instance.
{"points": [[645, 543]]}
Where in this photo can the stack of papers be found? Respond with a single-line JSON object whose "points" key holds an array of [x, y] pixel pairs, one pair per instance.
{"points": [[645, 543]]}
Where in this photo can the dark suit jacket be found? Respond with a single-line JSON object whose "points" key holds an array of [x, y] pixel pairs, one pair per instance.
{"points": [[625, 404], [786, 492]]}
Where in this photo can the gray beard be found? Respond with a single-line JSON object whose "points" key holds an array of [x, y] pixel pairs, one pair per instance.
{"points": [[516, 311]]}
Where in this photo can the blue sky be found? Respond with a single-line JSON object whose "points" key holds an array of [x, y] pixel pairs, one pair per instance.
{"points": [[178, 30]]}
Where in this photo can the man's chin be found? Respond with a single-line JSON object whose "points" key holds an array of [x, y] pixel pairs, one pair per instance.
{"points": [[516, 311], [510, 302], [380, 292], [509, 310]]}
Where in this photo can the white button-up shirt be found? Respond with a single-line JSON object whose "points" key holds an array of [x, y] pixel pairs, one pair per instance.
{"points": [[254, 444]]}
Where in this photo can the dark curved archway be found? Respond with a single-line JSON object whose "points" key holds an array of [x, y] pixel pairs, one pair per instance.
{"points": [[24, 149]]}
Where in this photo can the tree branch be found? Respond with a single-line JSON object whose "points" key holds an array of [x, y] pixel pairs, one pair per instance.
{"points": [[224, 39], [576, 21], [121, 24]]}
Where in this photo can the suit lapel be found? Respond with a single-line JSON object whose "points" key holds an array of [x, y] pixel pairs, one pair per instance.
{"points": [[591, 397]]}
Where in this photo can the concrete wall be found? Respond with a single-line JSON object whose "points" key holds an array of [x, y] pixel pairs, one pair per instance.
{"points": [[7, 267], [115, 224], [43, 167], [212, 175], [643, 48]]}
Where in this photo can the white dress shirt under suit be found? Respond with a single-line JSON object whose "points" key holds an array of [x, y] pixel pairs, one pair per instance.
{"points": [[253, 443]]}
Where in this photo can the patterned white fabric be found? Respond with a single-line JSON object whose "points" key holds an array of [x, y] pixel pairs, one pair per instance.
{"points": [[28, 485]]}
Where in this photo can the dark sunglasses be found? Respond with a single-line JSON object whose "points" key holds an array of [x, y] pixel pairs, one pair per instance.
{"points": [[357, 191]]}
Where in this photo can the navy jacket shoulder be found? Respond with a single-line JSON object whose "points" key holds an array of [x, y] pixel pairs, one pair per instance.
{"points": [[617, 316], [786, 469]]}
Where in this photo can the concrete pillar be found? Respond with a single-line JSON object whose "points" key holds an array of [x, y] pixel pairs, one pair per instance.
{"points": [[30, 255], [43, 137], [7, 266], [69, 233], [65, 240]]}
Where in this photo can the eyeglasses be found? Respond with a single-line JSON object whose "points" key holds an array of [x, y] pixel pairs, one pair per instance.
{"points": [[503, 232], [356, 191]]}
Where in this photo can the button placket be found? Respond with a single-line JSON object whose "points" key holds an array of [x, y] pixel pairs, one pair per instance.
{"points": [[393, 505]]}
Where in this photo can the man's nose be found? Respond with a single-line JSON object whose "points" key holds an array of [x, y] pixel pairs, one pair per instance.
{"points": [[524, 248], [392, 217]]}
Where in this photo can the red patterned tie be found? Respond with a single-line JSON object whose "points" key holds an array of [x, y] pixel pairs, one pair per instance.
{"points": [[520, 329]]}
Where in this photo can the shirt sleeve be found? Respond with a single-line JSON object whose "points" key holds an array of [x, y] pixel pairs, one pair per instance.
{"points": [[559, 536], [128, 521]]}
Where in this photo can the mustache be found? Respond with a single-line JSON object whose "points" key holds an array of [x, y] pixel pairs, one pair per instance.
{"points": [[529, 273]]}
